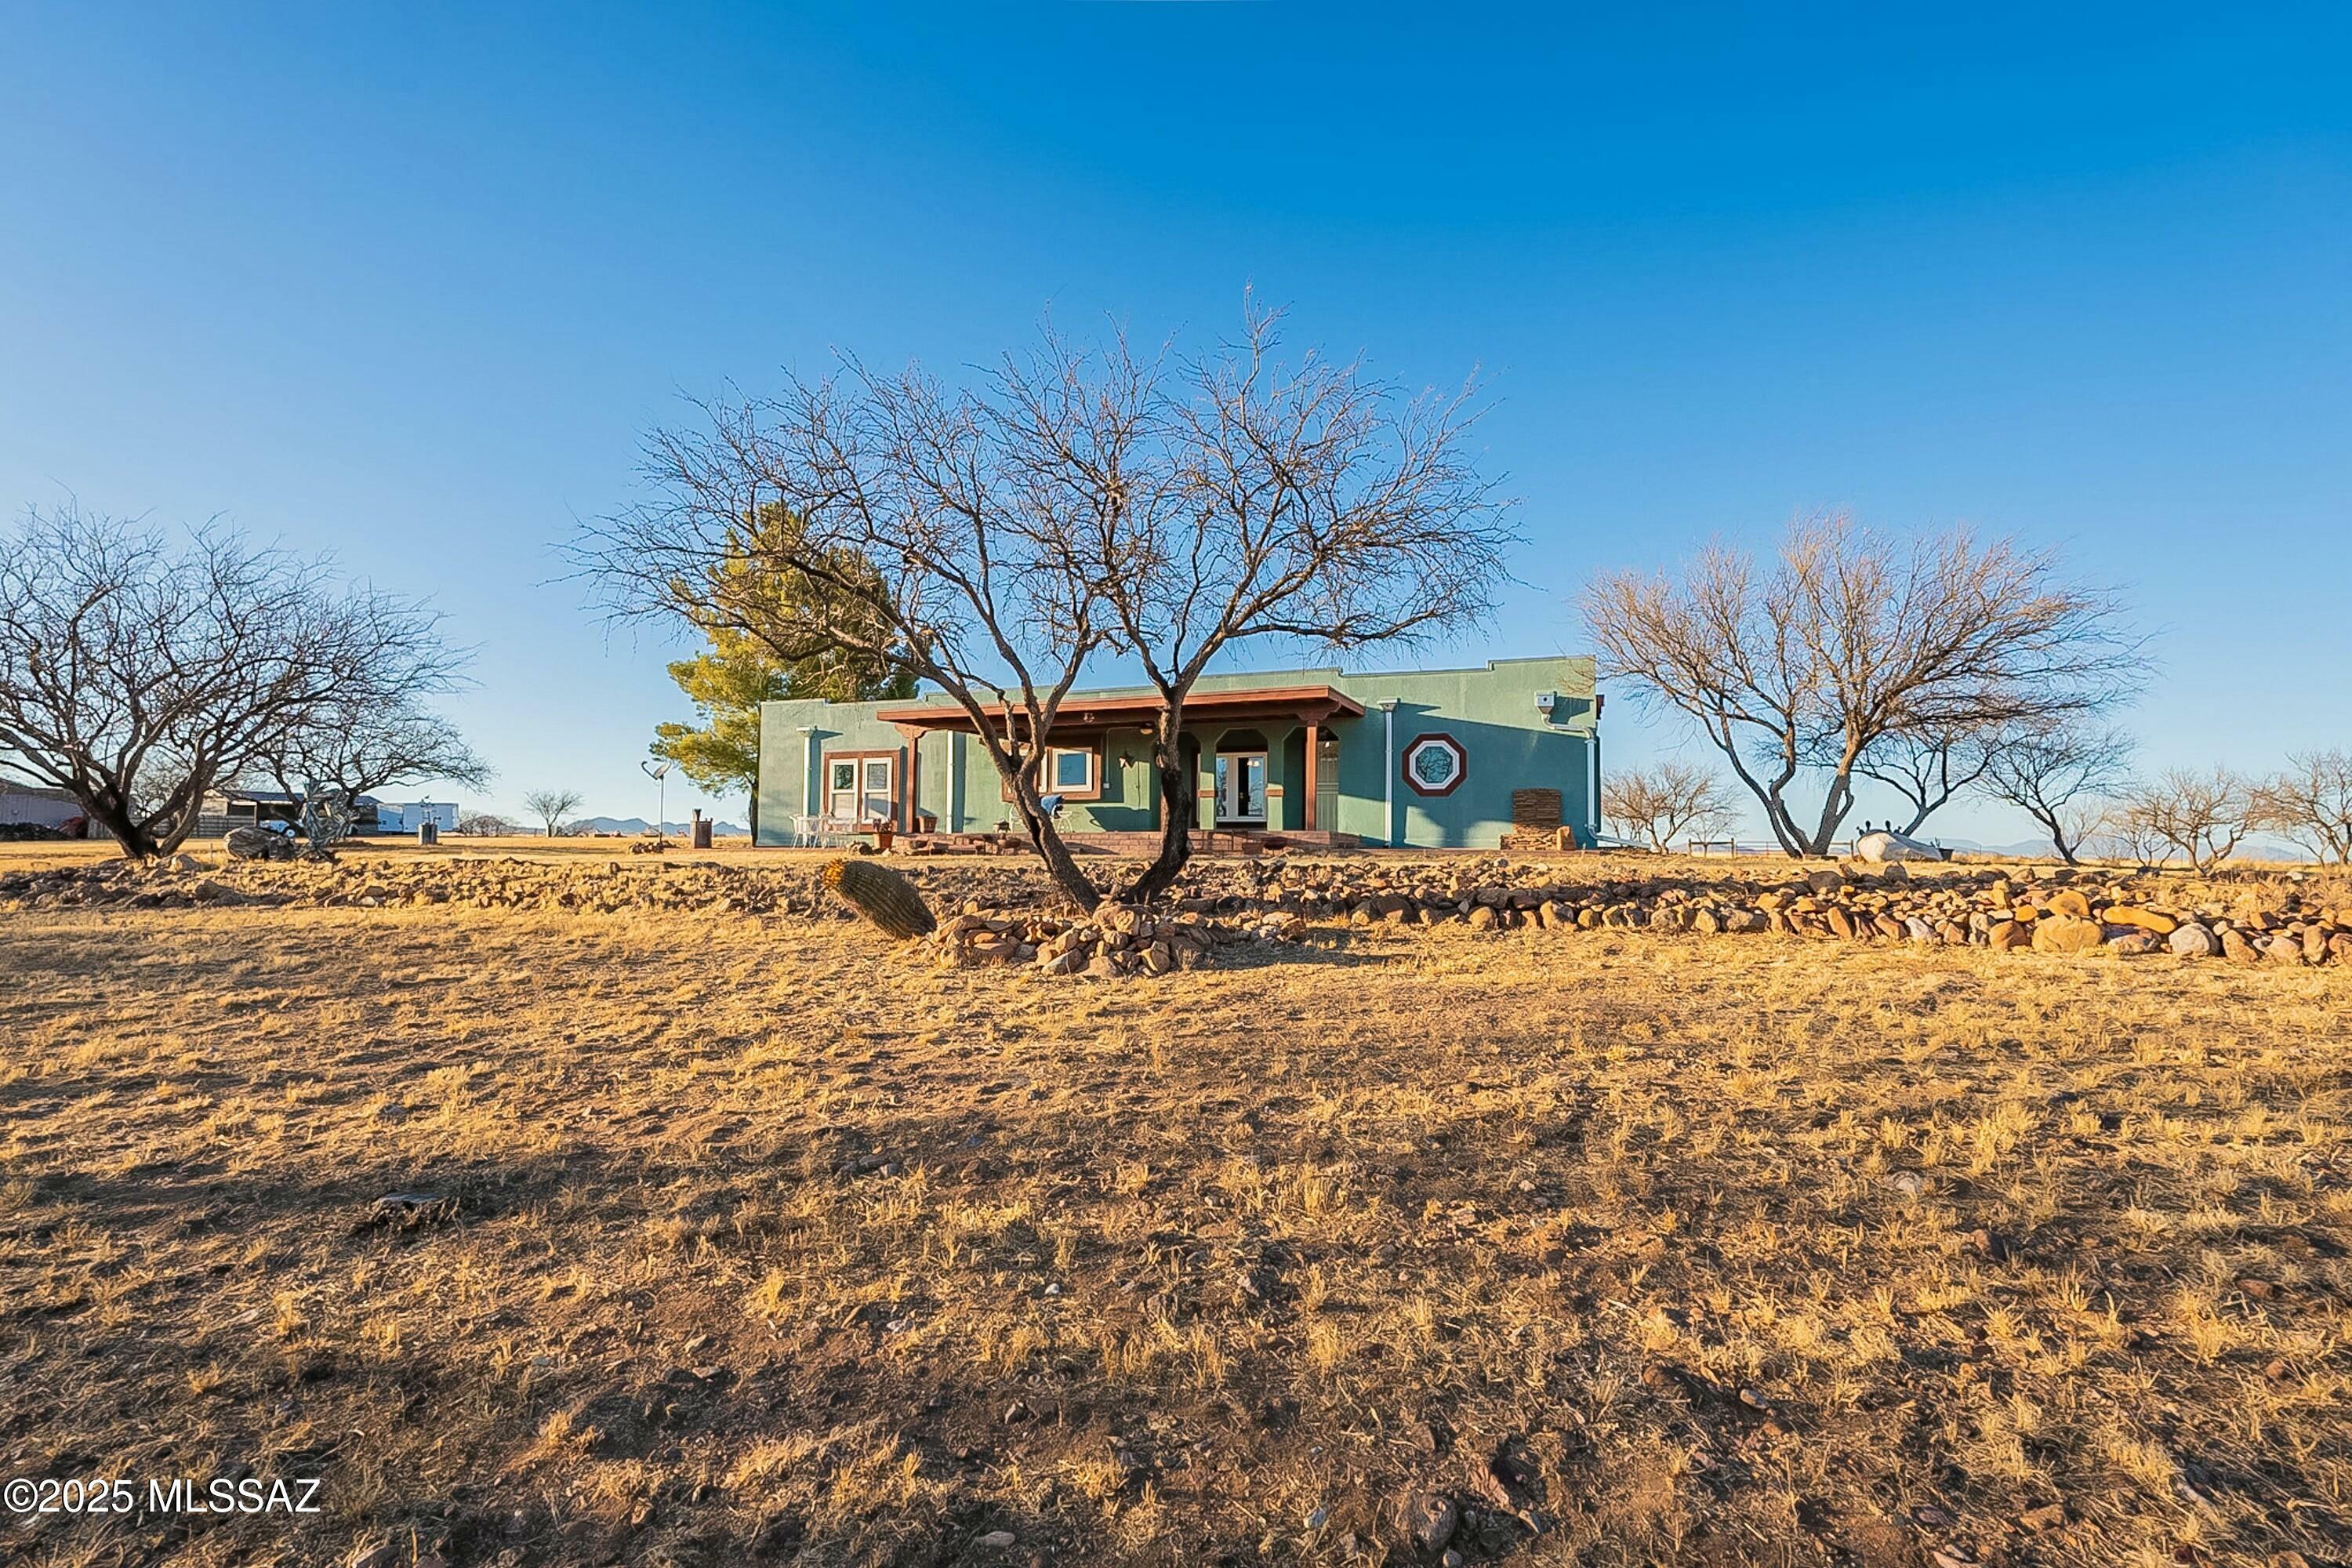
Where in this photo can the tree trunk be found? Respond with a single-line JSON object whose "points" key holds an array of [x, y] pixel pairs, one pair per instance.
{"points": [[1069, 877], [136, 843], [2057, 831], [1178, 805], [1834, 806], [1783, 823], [181, 824]]}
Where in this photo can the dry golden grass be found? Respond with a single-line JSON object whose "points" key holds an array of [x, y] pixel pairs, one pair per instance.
{"points": [[769, 1242]]}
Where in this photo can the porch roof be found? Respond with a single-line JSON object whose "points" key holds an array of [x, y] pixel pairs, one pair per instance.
{"points": [[1113, 711]]}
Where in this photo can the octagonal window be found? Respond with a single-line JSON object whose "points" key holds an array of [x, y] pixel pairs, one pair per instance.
{"points": [[1435, 764]]}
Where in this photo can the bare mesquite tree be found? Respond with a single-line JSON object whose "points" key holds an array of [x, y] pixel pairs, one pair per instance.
{"points": [[2311, 804], [1806, 668], [552, 806], [1242, 496], [2202, 815], [1663, 802], [921, 542], [2063, 775], [991, 540], [139, 670]]}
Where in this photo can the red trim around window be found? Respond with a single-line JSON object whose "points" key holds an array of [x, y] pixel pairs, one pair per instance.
{"points": [[897, 780], [1461, 761]]}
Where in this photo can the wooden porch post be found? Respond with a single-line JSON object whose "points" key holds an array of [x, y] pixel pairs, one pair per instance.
{"points": [[1314, 745], [914, 739]]}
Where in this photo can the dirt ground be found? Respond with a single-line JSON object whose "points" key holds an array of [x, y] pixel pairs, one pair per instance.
{"points": [[754, 1240]]}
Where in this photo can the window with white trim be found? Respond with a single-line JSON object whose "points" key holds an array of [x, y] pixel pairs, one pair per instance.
{"points": [[1070, 770]]}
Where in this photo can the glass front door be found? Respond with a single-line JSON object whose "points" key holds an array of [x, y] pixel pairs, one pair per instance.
{"points": [[1241, 786]]}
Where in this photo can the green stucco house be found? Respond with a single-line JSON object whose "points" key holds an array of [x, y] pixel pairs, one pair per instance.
{"points": [[1426, 758]]}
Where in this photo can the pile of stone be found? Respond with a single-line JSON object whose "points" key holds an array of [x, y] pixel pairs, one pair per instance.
{"points": [[1115, 941], [176, 881], [364, 881], [2054, 911], [2277, 920]]}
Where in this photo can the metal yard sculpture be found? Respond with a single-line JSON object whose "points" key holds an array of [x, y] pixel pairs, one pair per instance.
{"points": [[329, 817]]}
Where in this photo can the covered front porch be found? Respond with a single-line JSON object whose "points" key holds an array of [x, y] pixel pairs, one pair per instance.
{"points": [[1265, 762]]}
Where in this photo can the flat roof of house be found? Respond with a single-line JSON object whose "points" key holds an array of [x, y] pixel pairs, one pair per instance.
{"points": [[1225, 685], [1084, 710]]}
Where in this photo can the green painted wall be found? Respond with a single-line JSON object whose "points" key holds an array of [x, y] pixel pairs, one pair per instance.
{"points": [[1490, 712]]}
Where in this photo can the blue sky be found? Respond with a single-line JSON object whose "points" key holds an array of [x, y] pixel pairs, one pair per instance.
{"points": [[407, 283]]}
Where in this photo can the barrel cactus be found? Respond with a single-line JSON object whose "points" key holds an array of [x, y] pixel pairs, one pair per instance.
{"points": [[881, 895]]}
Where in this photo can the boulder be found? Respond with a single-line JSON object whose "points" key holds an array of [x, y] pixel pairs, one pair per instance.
{"points": [[2145, 919], [2193, 941], [2069, 901], [2067, 933], [258, 844]]}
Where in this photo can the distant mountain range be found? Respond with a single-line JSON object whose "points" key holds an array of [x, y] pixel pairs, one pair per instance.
{"points": [[638, 825], [2023, 850]]}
